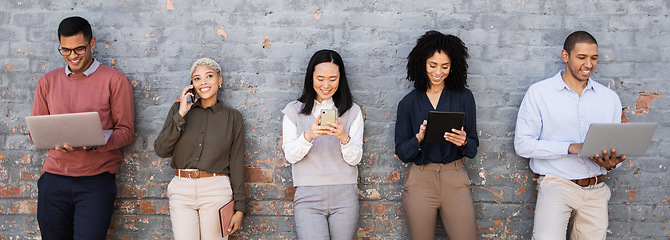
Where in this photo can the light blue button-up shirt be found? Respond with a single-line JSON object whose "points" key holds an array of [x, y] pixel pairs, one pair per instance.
{"points": [[552, 116]]}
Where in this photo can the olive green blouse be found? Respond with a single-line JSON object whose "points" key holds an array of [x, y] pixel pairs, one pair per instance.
{"points": [[209, 139]]}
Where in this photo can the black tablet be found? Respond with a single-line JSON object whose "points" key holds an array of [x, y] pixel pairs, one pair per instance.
{"points": [[441, 122]]}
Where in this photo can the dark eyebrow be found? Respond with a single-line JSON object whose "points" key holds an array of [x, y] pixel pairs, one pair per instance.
{"points": [[586, 55], [437, 63], [205, 73], [326, 76], [82, 46]]}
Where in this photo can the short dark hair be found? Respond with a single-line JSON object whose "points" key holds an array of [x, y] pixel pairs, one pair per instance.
{"points": [[74, 25], [431, 42], [342, 97], [578, 37]]}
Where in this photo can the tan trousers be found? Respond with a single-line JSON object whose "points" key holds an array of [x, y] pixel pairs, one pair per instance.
{"points": [[562, 205], [194, 206], [436, 187]]}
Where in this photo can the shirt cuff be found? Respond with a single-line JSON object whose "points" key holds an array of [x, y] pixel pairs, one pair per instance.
{"points": [[179, 121], [561, 147], [615, 167], [347, 146], [415, 142], [304, 141], [462, 148], [347, 142]]}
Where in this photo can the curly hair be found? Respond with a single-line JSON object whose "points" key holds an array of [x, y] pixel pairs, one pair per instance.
{"points": [[426, 46], [343, 98]]}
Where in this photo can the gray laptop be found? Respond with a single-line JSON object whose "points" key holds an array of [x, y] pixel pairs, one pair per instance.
{"points": [[74, 129], [630, 139]]}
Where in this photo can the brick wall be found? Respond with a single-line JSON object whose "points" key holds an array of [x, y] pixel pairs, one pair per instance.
{"points": [[264, 47]]}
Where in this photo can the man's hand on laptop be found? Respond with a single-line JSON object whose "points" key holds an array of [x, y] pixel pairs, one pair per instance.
{"points": [[608, 161], [67, 148]]}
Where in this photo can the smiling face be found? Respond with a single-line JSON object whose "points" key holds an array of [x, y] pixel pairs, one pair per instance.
{"points": [[581, 61], [326, 80], [206, 83], [437, 68], [78, 63]]}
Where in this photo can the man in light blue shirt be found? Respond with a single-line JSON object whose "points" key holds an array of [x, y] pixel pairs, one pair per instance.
{"points": [[553, 119]]}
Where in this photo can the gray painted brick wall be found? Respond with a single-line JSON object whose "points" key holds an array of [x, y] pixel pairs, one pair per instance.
{"points": [[264, 47]]}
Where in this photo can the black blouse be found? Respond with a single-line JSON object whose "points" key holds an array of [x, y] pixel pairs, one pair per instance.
{"points": [[414, 108]]}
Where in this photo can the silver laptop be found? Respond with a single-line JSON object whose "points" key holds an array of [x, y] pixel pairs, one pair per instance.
{"points": [[630, 139], [74, 129]]}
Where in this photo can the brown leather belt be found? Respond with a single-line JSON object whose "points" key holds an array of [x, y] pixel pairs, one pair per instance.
{"points": [[196, 173], [584, 182]]}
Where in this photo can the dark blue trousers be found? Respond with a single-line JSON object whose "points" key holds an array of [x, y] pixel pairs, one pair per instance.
{"points": [[75, 207]]}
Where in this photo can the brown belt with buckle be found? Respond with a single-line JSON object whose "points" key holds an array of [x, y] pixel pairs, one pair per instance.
{"points": [[196, 173], [584, 182]]}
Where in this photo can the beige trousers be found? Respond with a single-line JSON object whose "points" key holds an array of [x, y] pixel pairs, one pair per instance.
{"points": [[564, 206], [436, 187], [194, 206]]}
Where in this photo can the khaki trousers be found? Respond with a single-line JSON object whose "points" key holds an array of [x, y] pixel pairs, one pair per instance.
{"points": [[194, 206], [563, 205], [436, 187]]}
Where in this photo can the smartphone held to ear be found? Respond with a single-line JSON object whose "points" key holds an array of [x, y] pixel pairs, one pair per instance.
{"points": [[195, 96], [327, 115]]}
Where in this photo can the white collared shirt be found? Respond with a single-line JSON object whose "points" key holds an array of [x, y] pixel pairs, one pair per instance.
{"points": [[91, 69], [296, 146]]}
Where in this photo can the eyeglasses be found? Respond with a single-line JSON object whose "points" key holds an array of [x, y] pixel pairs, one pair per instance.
{"points": [[78, 50]]}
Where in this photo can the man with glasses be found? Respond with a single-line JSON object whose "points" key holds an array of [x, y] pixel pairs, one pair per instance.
{"points": [[77, 190]]}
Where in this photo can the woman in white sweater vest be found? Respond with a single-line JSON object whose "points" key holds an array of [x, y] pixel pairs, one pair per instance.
{"points": [[324, 155]]}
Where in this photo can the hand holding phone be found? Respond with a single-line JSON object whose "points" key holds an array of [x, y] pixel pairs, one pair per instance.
{"points": [[327, 115], [195, 96], [186, 99]]}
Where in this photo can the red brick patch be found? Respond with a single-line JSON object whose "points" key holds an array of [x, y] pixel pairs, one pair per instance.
{"points": [[6, 192], [644, 101], [631, 194], [24, 207], [393, 176], [258, 175]]}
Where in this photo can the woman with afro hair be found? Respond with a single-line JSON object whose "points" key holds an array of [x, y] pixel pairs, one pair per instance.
{"points": [[437, 180]]}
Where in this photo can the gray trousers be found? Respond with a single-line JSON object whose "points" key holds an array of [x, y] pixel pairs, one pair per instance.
{"points": [[326, 212]]}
